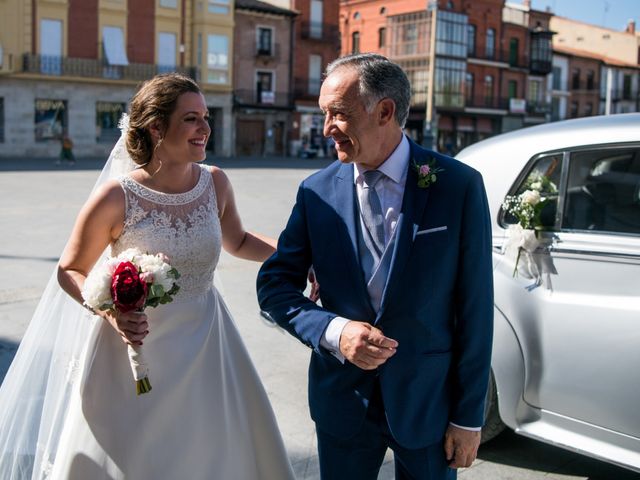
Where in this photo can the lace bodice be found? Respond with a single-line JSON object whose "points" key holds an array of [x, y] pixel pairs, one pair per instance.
{"points": [[183, 226]]}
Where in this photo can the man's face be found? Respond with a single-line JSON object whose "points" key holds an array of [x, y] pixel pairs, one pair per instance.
{"points": [[347, 121]]}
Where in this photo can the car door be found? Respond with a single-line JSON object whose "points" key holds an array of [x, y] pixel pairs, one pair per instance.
{"points": [[585, 332]]}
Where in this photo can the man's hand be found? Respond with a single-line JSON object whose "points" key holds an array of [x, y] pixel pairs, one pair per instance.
{"points": [[365, 346], [461, 446]]}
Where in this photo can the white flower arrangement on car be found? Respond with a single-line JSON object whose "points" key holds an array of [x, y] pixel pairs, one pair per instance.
{"points": [[524, 241]]}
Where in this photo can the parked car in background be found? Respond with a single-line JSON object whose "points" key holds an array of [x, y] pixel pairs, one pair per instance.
{"points": [[566, 352]]}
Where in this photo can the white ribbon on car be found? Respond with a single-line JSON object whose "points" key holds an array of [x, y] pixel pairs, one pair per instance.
{"points": [[531, 256]]}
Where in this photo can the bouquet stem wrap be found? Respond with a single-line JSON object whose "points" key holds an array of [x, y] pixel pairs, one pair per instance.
{"points": [[139, 368]]}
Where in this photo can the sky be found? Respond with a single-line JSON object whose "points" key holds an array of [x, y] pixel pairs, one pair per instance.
{"points": [[612, 14]]}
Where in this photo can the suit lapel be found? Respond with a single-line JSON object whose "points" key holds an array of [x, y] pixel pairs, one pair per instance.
{"points": [[345, 206], [413, 205]]}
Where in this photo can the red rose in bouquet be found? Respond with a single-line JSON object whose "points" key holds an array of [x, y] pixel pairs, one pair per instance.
{"points": [[128, 290]]}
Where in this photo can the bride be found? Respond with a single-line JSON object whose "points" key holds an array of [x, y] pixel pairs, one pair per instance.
{"points": [[68, 406]]}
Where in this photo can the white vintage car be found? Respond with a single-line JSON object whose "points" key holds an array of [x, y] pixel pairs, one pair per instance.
{"points": [[566, 352]]}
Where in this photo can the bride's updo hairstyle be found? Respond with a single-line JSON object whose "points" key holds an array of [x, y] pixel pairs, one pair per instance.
{"points": [[154, 102]]}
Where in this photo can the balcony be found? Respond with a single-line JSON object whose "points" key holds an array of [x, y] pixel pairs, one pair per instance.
{"points": [[322, 32], [584, 85], [490, 102], [307, 88], [541, 67], [271, 52], [263, 99], [92, 68]]}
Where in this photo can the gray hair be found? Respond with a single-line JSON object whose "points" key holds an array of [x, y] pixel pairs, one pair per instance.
{"points": [[379, 78]]}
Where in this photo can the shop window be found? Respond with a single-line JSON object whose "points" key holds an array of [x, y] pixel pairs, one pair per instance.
{"points": [[107, 117], [50, 119]]}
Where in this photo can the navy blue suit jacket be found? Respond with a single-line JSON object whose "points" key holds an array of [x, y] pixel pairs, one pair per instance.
{"points": [[438, 301]]}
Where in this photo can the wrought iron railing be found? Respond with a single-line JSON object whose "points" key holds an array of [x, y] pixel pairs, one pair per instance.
{"points": [[94, 68], [262, 99]]}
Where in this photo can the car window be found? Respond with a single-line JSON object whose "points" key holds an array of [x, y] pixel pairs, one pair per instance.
{"points": [[603, 191], [543, 175]]}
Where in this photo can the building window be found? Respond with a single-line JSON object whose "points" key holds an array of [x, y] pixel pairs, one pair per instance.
{"points": [[265, 41], [575, 78], [555, 109], [512, 87], [107, 117], [626, 87], [449, 84], [50, 119], [590, 79], [488, 91], [219, 7], [316, 20], [557, 78], [315, 74], [355, 42], [382, 37], [169, 3], [450, 34], [264, 87], [574, 110], [51, 47], [113, 49], [166, 52], [417, 71], [490, 47], [1, 120], [468, 88], [535, 91], [356, 16], [383, 10], [199, 50], [513, 52], [217, 59], [471, 40]]}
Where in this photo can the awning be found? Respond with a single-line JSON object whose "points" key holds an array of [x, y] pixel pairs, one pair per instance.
{"points": [[113, 45]]}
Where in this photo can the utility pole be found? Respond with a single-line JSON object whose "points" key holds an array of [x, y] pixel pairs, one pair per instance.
{"points": [[427, 135]]}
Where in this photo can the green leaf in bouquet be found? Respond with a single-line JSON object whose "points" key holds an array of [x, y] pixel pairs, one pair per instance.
{"points": [[174, 289], [174, 273], [156, 291]]}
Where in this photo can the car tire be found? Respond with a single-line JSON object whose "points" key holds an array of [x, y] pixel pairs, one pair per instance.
{"points": [[493, 425]]}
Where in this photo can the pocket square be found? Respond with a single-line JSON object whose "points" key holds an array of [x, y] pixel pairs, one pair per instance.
{"points": [[428, 230]]}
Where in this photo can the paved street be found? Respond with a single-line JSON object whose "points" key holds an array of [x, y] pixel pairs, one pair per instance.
{"points": [[38, 204]]}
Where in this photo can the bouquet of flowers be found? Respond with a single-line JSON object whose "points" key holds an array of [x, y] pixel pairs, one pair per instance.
{"points": [[132, 281], [527, 208]]}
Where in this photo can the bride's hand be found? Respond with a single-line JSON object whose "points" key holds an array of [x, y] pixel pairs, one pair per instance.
{"points": [[132, 326]]}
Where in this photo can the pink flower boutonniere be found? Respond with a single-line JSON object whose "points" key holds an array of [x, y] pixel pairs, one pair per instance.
{"points": [[427, 173]]}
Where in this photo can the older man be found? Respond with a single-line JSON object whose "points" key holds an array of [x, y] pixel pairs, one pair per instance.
{"points": [[400, 241]]}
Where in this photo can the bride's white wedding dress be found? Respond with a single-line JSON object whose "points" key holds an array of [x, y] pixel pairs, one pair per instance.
{"points": [[207, 416]]}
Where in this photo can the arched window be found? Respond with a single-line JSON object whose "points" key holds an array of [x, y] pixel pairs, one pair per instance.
{"points": [[383, 10], [356, 16], [355, 42]]}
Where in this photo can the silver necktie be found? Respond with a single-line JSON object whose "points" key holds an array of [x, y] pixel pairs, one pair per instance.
{"points": [[372, 210]]}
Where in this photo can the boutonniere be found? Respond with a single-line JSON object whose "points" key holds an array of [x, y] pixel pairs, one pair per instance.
{"points": [[427, 172]]}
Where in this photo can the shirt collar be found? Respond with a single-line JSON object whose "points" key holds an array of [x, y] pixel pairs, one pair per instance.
{"points": [[394, 167]]}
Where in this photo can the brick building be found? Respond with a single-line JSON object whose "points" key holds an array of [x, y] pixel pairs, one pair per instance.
{"points": [[262, 86], [69, 67], [476, 68]]}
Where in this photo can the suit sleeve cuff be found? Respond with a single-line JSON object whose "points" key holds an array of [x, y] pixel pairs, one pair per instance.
{"points": [[472, 429], [331, 337]]}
